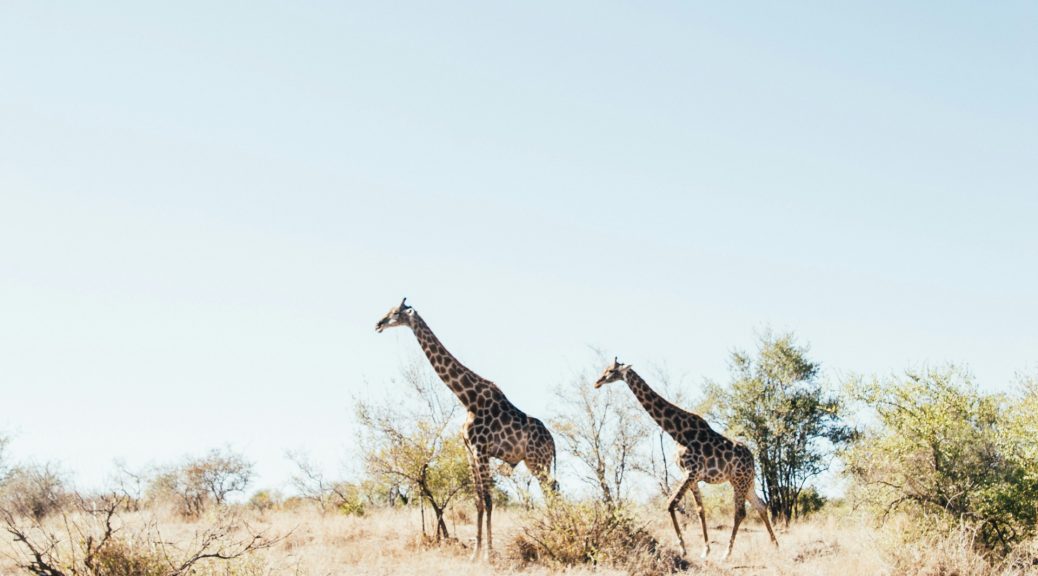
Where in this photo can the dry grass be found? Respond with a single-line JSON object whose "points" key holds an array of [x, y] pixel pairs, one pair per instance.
{"points": [[389, 542]]}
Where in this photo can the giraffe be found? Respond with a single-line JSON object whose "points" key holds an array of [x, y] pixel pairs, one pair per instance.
{"points": [[703, 454], [495, 428]]}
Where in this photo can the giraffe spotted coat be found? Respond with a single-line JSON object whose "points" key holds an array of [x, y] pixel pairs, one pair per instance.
{"points": [[703, 454], [494, 428]]}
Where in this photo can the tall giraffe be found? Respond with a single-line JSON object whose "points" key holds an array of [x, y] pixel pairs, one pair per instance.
{"points": [[703, 454], [495, 428]]}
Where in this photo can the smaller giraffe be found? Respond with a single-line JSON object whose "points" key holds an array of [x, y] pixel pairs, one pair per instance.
{"points": [[495, 428], [703, 454]]}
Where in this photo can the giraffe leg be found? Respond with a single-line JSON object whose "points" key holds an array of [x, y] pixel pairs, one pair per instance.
{"points": [[702, 519], [539, 457], [762, 510], [672, 508], [540, 467], [740, 514], [477, 485], [486, 485]]}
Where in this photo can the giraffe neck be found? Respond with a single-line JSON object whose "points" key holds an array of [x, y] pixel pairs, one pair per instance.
{"points": [[657, 406], [465, 383]]}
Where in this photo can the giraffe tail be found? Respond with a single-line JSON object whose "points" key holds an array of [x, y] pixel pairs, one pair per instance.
{"points": [[555, 472]]}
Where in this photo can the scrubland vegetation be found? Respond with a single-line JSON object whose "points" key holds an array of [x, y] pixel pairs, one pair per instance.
{"points": [[941, 479]]}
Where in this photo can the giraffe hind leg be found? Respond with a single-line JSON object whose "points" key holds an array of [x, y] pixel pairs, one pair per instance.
{"points": [[762, 511], [540, 466], [540, 456]]}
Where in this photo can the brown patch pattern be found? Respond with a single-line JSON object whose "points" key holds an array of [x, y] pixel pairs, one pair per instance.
{"points": [[703, 454], [495, 428]]}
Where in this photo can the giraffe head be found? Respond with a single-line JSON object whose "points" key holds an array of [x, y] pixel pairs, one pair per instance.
{"points": [[397, 316], [615, 371]]}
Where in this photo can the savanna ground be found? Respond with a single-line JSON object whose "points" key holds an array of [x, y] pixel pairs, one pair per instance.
{"points": [[390, 541], [943, 480]]}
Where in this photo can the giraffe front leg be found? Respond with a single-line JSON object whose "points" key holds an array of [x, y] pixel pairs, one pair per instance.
{"points": [[672, 508], [702, 520], [479, 525], [486, 487], [477, 484]]}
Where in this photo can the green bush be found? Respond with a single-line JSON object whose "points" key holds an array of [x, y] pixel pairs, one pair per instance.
{"points": [[810, 501], [951, 455], [265, 500], [349, 499]]}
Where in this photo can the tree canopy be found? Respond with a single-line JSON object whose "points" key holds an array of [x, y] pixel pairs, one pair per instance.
{"points": [[777, 405]]}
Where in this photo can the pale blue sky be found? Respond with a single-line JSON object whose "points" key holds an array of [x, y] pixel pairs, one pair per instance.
{"points": [[204, 208]]}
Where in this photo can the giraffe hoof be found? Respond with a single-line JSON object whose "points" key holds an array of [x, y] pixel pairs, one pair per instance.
{"points": [[706, 552]]}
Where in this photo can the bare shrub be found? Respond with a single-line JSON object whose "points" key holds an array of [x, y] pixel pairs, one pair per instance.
{"points": [[1024, 558], [93, 540], [326, 494], [565, 534], [603, 431], [130, 484], [932, 554], [4, 442], [514, 486], [203, 481], [119, 557], [35, 491]]}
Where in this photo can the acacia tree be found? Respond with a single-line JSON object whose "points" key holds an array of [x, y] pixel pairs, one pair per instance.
{"points": [[204, 480], [220, 473], [604, 432], [33, 490], [416, 444], [776, 403]]}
